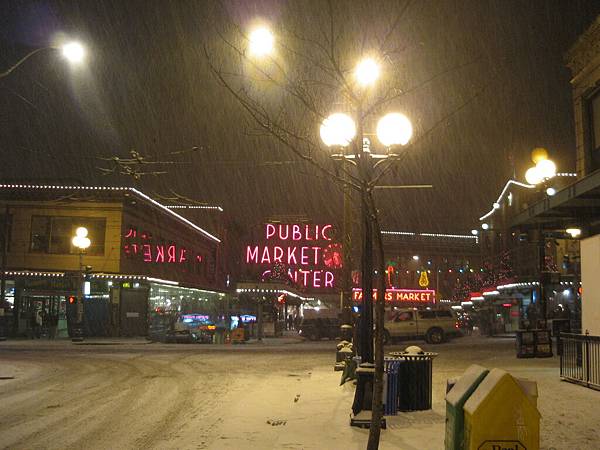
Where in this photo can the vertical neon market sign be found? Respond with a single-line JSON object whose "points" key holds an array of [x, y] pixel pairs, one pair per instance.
{"points": [[308, 252]]}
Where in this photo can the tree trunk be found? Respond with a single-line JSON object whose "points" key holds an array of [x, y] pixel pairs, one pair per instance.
{"points": [[377, 406]]}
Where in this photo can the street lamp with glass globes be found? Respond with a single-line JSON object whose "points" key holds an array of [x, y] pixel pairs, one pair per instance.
{"points": [[261, 42], [81, 242], [544, 168], [338, 131]]}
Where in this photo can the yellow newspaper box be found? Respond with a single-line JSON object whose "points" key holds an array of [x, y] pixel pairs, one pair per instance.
{"points": [[502, 414]]}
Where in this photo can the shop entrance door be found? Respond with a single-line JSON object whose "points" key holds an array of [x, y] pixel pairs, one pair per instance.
{"points": [[52, 311], [134, 312]]}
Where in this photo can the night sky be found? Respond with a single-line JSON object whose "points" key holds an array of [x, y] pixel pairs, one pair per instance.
{"points": [[498, 87]]}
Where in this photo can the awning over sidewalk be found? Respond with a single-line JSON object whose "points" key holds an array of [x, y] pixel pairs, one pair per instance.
{"points": [[576, 205]]}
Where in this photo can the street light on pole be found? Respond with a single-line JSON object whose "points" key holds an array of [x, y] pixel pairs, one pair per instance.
{"points": [[73, 51], [338, 131], [82, 242]]}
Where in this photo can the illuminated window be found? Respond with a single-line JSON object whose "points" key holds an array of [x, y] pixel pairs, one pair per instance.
{"points": [[54, 234]]}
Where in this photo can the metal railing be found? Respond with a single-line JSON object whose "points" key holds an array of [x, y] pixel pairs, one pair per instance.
{"points": [[580, 359]]}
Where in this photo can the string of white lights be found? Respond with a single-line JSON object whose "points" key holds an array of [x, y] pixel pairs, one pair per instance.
{"points": [[433, 235], [110, 188], [496, 204], [216, 208], [272, 291]]}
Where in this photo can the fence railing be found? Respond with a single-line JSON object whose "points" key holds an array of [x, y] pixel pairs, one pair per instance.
{"points": [[580, 359]]}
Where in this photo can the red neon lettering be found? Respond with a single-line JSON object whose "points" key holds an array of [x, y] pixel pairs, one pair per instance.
{"points": [[171, 253], [160, 253], [317, 278], [388, 296], [147, 253], [307, 233], [199, 258], [126, 249], [316, 249], [266, 258], [316, 232], [291, 253], [277, 254], [293, 275], [270, 230], [287, 232], [304, 273], [326, 227], [252, 254], [135, 248], [328, 279], [296, 235], [357, 295], [131, 233], [303, 256], [182, 257]]}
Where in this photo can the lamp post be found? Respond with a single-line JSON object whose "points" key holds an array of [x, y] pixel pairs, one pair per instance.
{"points": [[338, 131], [544, 170], [73, 51], [82, 242]]}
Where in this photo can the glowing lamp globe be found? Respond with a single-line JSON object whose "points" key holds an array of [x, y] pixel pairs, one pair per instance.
{"points": [[546, 168], [574, 232], [338, 130], [394, 129], [73, 51], [261, 41], [533, 175], [81, 240], [367, 72], [539, 154]]}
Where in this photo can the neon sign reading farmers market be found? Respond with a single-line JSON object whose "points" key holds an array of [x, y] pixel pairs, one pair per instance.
{"points": [[400, 295], [306, 251]]}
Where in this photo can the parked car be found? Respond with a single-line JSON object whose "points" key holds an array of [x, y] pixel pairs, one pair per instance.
{"points": [[435, 326], [316, 329]]}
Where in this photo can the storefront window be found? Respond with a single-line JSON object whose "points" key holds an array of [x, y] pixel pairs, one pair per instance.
{"points": [[180, 300]]}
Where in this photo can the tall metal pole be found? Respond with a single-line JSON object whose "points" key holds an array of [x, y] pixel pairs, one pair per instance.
{"points": [[366, 344], [363, 395], [365, 170], [3, 332], [346, 291], [542, 279]]}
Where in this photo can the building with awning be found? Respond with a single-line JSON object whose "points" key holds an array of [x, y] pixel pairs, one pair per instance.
{"points": [[567, 215]]}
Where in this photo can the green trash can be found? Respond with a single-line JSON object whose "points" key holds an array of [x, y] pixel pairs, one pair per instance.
{"points": [[455, 400]]}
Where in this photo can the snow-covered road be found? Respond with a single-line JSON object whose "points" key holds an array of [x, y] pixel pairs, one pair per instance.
{"points": [[245, 397]]}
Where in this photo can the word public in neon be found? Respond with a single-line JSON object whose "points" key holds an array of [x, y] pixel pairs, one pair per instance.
{"points": [[400, 295]]}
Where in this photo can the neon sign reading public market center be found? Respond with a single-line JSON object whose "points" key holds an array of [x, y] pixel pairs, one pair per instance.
{"points": [[307, 252]]}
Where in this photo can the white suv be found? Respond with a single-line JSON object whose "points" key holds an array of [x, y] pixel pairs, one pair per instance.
{"points": [[435, 325]]}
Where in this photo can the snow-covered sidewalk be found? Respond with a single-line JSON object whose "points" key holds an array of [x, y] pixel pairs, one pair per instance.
{"points": [[245, 397]]}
